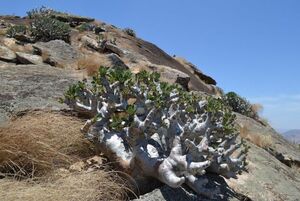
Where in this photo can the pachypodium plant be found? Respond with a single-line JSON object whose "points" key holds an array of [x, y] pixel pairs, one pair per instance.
{"points": [[158, 129]]}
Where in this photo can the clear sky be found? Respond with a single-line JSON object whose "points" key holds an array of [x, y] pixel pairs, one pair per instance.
{"points": [[249, 46]]}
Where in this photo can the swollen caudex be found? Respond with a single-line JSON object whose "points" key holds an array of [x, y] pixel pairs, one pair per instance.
{"points": [[170, 134]]}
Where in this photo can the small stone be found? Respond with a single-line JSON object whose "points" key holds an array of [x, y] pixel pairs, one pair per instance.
{"points": [[25, 58], [90, 42]]}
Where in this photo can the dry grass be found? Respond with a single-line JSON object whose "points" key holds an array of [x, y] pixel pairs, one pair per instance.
{"points": [[89, 62], [65, 186], [36, 151], [263, 141], [92, 62], [257, 107], [38, 142]]}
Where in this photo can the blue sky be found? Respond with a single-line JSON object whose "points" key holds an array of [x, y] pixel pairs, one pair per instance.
{"points": [[251, 47]]}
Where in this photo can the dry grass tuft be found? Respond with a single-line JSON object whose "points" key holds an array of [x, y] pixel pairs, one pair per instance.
{"points": [[65, 186], [38, 142], [36, 153], [90, 62], [257, 107], [263, 141]]}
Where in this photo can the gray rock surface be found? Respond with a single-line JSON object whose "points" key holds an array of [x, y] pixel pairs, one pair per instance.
{"points": [[267, 179], [116, 60], [171, 75], [27, 87], [90, 42], [216, 183], [283, 150], [57, 53], [4, 64], [25, 58], [109, 47], [6, 54]]}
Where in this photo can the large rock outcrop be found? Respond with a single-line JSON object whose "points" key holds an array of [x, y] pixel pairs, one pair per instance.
{"points": [[57, 53], [30, 87]]}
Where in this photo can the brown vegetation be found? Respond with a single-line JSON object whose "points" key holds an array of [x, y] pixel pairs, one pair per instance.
{"points": [[38, 141], [36, 151], [257, 107], [92, 62], [64, 186], [89, 62], [263, 141]]}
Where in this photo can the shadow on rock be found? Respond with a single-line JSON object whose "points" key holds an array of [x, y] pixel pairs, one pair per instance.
{"points": [[216, 183]]}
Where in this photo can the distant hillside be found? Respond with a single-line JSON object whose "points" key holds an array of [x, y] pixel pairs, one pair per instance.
{"points": [[292, 135]]}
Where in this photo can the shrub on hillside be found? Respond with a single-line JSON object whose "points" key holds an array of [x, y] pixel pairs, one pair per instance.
{"points": [[130, 32], [240, 105], [38, 12], [16, 29], [46, 29]]}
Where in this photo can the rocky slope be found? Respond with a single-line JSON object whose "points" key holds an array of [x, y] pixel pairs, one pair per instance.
{"points": [[33, 76]]}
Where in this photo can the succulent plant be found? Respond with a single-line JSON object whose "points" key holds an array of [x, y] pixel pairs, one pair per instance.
{"points": [[158, 128]]}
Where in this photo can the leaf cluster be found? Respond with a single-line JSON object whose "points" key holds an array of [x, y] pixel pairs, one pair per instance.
{"points": [[151, 88], [219, 110], [74, 90]]}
